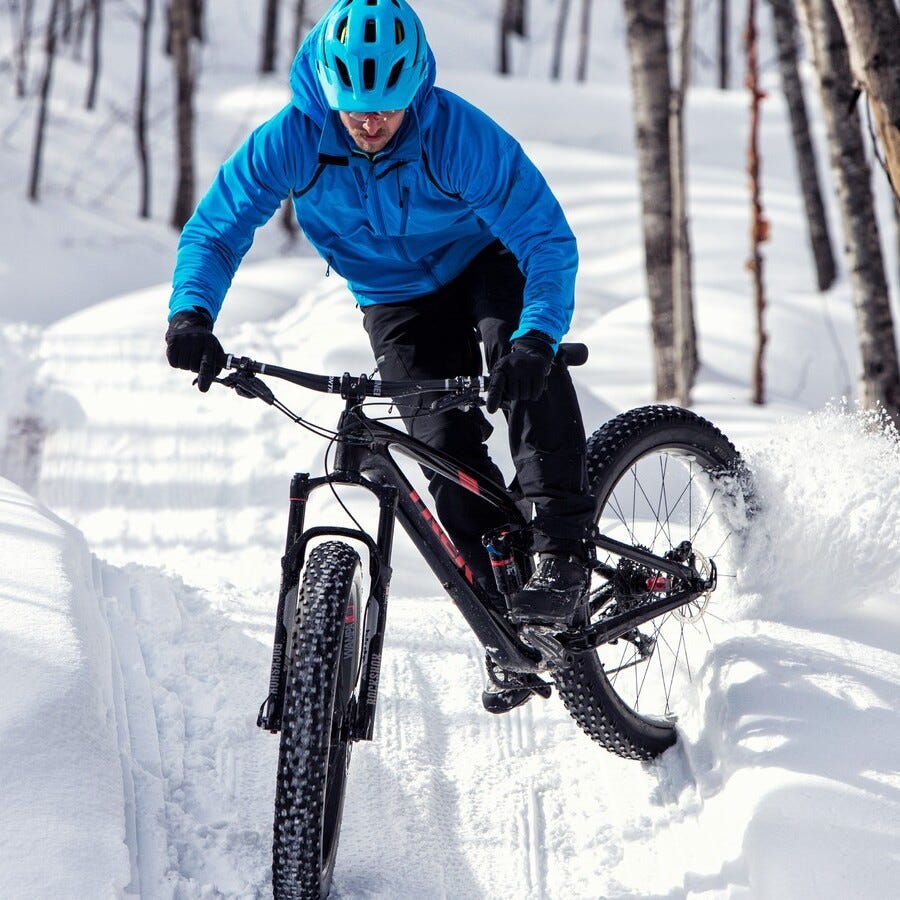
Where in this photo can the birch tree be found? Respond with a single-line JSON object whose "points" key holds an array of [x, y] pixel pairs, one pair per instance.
{"points": [[648, 48], [37, 151], [512, 22], [288, 217], [683, 332], [759, 227], [183, 30], [880, 376], [724, 56], [584, 41], [22, 12], [559, 38], [140, 113], [269, 37], [786, 37], [96, 9], [872, 31], [299, 23]]}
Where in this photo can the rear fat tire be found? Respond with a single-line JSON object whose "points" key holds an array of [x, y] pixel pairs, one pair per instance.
{"points": [[315, 749], [613, 450]]}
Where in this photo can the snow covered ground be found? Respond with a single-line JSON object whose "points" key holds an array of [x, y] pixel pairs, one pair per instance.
{"points": [[141, 524]]}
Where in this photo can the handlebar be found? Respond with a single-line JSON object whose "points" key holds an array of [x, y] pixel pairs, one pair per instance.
{"points": [[361, 386]]}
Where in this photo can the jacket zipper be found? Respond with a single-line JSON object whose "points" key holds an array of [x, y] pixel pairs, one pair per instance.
{"points": [[397, 246]]}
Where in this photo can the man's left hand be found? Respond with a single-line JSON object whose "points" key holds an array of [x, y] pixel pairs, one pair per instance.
{"points": [[522, 373]]}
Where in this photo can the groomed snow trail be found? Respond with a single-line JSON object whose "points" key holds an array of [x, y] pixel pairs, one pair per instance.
{"points": [[463, 804], [789, 735]]}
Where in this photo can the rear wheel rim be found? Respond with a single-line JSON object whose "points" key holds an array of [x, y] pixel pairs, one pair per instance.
{"points": [[663, 497]]}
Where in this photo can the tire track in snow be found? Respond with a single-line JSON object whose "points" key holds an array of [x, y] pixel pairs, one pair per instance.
{"points": [[202, 774], [145, 813], [531, 830]]}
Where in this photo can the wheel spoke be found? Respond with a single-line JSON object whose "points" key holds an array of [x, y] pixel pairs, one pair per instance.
{"points": [[669, 499]]}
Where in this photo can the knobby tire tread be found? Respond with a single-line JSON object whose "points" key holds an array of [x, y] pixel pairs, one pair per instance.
{"points": [[298, 869], [584, 687]]}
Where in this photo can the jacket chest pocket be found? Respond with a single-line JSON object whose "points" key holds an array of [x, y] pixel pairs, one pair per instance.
{"points": [[411, 206]]}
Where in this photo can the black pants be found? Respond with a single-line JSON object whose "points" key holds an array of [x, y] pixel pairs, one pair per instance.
{"points": [[436, 336]]}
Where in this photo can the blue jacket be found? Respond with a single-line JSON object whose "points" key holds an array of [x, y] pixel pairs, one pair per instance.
{"points": [[396, 227]]}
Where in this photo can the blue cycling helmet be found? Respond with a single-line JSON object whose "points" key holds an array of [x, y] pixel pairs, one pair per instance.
{"points": [[372, 55]]}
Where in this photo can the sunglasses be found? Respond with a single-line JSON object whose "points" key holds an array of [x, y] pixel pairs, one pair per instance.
{"points": [[382, 116]]}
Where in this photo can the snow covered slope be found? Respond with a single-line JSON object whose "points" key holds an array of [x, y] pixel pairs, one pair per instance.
{"points": [[135, 650], [65, 793], [784, 779]]}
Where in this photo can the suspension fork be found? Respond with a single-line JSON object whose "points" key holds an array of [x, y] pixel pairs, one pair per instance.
{"points": [[380, 549], [270, 712], [380, 570]]}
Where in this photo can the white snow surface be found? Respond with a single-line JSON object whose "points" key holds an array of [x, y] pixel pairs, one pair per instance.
{"points": [[135, 641]]}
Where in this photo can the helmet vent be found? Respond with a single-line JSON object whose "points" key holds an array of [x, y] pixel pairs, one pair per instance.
{"points": [[342, 71], [368, 74], [395, 73], [399, 33], [371, 32], [341, 31]]}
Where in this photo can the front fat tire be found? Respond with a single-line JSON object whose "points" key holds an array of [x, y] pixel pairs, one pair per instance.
{"points": [[613, 450], [314, 749]]}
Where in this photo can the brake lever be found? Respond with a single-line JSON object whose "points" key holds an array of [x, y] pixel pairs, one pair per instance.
{"points": [[463, 400], [246, 384]]}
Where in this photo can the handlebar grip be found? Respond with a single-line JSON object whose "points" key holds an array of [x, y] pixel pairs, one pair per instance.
{"points": [[573, 354]]}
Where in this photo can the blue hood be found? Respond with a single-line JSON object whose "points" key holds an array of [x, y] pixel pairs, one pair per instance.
{"points": [[307, 94]]}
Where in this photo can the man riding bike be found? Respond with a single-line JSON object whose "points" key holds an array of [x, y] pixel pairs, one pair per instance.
{"points": [[447, 234]]}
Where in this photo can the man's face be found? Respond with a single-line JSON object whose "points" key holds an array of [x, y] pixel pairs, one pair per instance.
{"points": [[371, 132]]}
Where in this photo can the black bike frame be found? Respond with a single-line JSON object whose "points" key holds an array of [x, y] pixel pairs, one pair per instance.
{"points": [[363, 459]]}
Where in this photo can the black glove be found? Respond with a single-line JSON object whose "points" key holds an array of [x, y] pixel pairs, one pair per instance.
{"points": [[522, 373], [190, 344]]}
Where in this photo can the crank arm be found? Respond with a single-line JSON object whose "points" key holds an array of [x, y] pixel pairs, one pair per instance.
{"points": [[543, 638]]}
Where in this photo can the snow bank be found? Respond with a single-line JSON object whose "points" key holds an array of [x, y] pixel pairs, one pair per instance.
{"points": [[61, 778]]}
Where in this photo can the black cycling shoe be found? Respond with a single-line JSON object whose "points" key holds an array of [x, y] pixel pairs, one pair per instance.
{"points": [[507, 690], [554, 593]]}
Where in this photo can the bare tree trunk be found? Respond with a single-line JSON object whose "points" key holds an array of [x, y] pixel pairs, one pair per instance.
{"points": [[288, 216], [65, 12], [299, 22], [182, 32], [23, 41], [786, 37], [512, 21], [724, 50], [559, 38], [269, 37], [684, 334], [648, 47], [584, 41], [80, 26], [197, 24], [140, 118], [96, 31], [897, 238], [34, 181], [880, 377], [759, 227], [872, 32]]}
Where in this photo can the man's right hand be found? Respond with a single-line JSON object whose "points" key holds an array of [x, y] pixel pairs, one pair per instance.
{"points": [[190, 344]]}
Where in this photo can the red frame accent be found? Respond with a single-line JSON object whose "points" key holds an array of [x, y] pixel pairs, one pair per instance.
{"points": [[446, 543]]}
